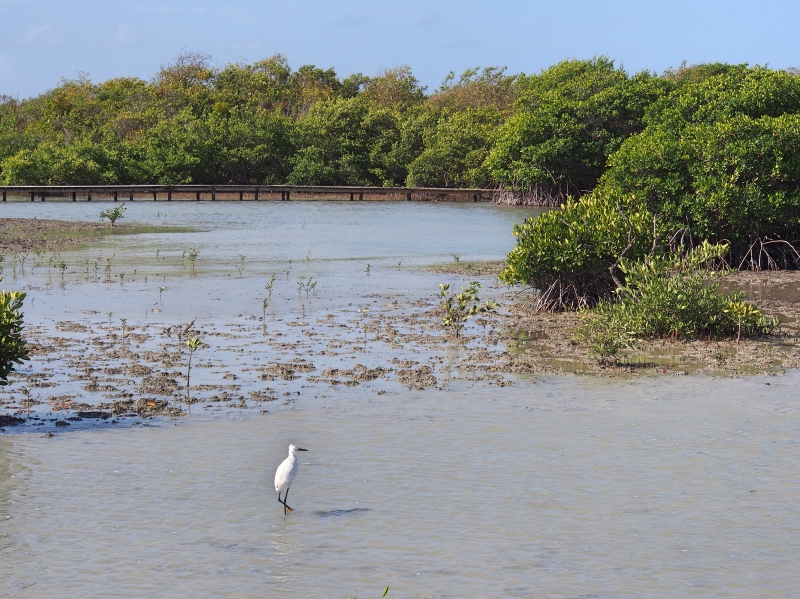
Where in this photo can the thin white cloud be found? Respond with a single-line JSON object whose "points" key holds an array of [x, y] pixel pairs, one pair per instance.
{"points": [[170, 8], [123, 35], [43, 34], [221, 13], [5, 64]]}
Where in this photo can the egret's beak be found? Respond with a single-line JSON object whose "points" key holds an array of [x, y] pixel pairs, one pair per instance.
{"points": [[300, 449]]}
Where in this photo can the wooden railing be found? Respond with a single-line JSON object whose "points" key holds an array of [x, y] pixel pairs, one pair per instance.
{"points": [[240, 192]]}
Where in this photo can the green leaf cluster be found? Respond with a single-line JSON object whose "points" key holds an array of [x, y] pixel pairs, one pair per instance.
{"points": [[13, 349], [675, 296], [571, 117], [570, 252], [457, 308], [114, 214], [718, 158]]}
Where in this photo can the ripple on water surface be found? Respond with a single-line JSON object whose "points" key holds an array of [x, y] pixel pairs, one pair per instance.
{"points": [[570, 486]]}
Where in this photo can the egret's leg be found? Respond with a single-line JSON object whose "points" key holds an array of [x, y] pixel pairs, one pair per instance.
{"points": [[287, 509]]}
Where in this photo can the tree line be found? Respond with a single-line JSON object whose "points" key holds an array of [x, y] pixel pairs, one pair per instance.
{"points": [[261, 123], [707, 151]]}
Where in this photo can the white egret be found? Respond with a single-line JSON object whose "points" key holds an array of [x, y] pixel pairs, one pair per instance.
{"points": [[284, 476]]}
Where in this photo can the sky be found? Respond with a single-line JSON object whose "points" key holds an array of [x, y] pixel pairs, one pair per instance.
{"points": [[44, 41]]}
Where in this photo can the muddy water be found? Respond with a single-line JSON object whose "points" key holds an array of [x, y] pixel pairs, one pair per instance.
{"points": [[568, 487], [551, 487]]}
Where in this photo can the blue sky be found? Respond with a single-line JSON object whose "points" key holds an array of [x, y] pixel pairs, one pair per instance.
{"points": [[42, 41]]}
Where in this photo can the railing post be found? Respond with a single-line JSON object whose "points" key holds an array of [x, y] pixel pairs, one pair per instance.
{"points": [[256, 194], [361, 196], [197, 196], [130, 195], [74, 196], [115, 195], [169, 195], [155, 195], [4, 196], [241, 196], [408, 196], [213, 195], [33, 196], [43, 195], [88, 196]]}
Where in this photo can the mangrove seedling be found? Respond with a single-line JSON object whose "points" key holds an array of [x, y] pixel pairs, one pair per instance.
{"points": [[160, 291], [269, 285], [193, 344], [240, 265], [113, 214], [456, 257], [741, 312], [458, 308], [123, 321], [193, 253], [63, 267], [368, 268], [107, 268]]}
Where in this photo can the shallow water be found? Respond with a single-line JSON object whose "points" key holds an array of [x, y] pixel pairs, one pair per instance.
{"points": [[567, 487], [332, 242], [549, 487]]}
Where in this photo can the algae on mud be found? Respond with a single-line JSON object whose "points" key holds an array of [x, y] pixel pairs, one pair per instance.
{"points": [[32, 234]]}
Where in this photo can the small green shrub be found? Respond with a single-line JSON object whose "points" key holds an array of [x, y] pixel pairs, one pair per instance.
{"points": [[13, 348], [114, 214], [567, 254], [670, 297], [458, 308]]}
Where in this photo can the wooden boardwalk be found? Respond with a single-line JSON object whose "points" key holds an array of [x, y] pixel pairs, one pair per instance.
{"points": [[237, 192]]}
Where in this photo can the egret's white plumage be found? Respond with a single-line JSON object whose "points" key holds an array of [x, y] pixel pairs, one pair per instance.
{"points": [[285, 474]]}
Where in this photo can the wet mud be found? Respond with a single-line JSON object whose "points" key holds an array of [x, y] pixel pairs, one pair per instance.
{"points": [[95, 371]]}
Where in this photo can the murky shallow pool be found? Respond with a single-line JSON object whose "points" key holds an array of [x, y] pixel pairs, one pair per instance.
{"points": [[549, 487], [567, 487]]}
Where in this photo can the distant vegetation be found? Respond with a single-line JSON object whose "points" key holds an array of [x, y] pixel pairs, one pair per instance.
{"points": [[644, 165]]}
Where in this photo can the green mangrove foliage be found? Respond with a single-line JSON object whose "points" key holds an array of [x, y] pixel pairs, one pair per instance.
{"points": [[715, 160], [670, 296], [112, 215], [457, 308], [571, 254], [268, 123], [570, 118], [718, 159], [13, 349]]}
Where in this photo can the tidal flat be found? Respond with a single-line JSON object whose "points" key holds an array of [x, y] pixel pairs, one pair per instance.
{"points": [[117, 474]]}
